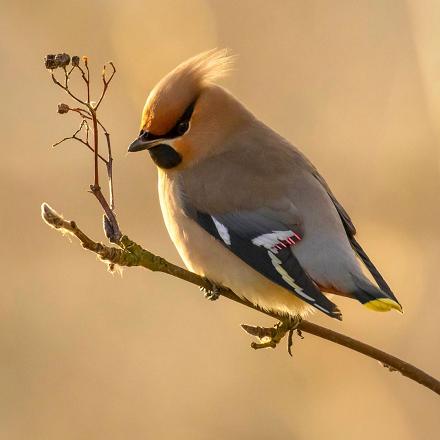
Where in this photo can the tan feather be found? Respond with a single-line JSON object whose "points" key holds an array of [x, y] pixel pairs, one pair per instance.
{"points": [[179, 88]]}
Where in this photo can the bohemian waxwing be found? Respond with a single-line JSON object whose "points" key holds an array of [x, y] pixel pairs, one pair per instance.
{"points": [[243, 206]]}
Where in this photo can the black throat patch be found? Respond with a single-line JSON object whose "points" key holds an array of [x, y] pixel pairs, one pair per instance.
{"points": [[165, 156]]}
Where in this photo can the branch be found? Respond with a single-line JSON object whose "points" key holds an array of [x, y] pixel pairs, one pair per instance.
{"points": [[82, 141], [65, 87], [89, 113], [128, 253], [105, 81]]}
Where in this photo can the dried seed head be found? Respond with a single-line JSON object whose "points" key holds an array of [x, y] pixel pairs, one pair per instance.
{"points": [[63, 59], [75, 61], [54, 61], [49, 62], [63, 108]]}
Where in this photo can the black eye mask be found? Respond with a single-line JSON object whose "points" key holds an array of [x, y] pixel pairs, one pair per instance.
{"points": [[179, 128]]}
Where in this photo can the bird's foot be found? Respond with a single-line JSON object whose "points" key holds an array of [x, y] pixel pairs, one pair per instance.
{"points": [[271, 336], [213, 292]]}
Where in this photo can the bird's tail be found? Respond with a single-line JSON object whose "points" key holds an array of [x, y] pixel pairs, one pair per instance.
{"points": [[380, 299], [374, 298]]}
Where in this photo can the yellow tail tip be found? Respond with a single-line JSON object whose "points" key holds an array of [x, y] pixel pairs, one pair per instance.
{"points": [[383, 305]]}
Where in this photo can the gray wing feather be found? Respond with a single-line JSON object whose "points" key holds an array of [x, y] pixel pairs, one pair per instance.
{"points": [[351, 232], [263, 241], [346, 220]]}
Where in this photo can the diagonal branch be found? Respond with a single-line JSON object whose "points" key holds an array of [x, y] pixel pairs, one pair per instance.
{"points": [[82, 141], [129, 253], [65, 87]]}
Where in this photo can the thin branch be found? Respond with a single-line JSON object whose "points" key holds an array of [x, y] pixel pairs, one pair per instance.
{"points": [[82, 112], [73, 136], [387, 360], [86, 77], [109, 169], [114, 234], [112, 230], [108, 162], [76, 138], [89, 113], [95, 148], [130, 253], [72, 68], [105, 82], [66, 89], [109, 165]]}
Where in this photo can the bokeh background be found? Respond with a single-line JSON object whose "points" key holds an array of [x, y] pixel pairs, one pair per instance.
{"points": [[89, 355]]}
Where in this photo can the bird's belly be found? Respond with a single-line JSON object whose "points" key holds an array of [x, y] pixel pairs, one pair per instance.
{"points": [[206, 256]]}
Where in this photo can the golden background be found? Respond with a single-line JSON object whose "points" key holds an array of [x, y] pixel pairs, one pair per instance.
{"points": [[88, 355]]}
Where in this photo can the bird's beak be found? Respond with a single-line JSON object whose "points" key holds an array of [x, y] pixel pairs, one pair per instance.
{"points": [[140, 144]]}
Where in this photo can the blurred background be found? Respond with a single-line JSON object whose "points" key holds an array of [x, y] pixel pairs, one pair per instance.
{"points": [[89, 355]]}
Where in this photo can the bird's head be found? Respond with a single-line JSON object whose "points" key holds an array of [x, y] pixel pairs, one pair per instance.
{"points": [[186, 117]]}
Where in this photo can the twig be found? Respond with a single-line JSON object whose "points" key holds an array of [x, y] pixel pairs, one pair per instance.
{"points": [[130, 253], [66, 88], [84, 142], [109, 168], [86, 77], [387, 360], [82, 112], [95, 149], [105, 82], [89, 113]]}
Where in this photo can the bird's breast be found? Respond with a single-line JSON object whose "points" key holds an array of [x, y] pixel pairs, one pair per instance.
{"points": [[200, 252], [180, 228]]}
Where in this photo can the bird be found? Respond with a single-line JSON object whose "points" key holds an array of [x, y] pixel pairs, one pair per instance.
{"points": [[243, 206]]}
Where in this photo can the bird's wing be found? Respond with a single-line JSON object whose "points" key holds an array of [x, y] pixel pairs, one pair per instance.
{"points": [[350, 229], [263, 238]]}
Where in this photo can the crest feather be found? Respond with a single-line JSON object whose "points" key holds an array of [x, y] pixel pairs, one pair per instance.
{"points": [[209, 66], [177, 90]]}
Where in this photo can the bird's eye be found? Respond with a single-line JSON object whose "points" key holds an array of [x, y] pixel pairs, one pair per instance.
{"points": [[182, 127]]}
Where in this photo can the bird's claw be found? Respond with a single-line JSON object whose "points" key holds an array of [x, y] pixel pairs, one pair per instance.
{"points": [[271, 336], [212, 293]]}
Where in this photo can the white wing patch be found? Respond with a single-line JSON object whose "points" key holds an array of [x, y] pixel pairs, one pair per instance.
{"points": [[222, 231], [286, 277], [271, 239], [320, 308]]}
